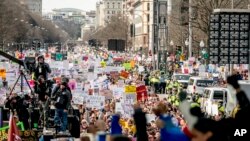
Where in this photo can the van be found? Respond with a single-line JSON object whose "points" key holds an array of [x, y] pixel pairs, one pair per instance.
{"points": [[196, 85], [182, 78], [211, 97]]}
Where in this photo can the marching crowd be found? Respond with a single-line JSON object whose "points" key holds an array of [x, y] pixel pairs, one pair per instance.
{"points": [[175, 117]]}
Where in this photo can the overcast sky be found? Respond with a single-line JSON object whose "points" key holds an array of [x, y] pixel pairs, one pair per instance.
{"points": [[85, 5]]}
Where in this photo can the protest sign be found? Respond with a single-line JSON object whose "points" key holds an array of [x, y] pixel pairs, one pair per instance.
{"points": [[3, 73], [2, 96], [119, 108], [130, 98], [117, 93], [150, 118], [120, 83], [95, 101], [141, 92], [130, 89]]}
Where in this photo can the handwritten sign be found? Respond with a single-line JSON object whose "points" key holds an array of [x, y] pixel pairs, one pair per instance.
{"points": [[95, 101], [117, 93]]}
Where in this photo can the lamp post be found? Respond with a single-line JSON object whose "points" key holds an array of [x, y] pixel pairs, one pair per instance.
{"points": [[202, 44], [186, 43], [172, 45]]}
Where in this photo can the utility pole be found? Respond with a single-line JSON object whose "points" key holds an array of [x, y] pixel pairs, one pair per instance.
{"points": [[190, 29]]}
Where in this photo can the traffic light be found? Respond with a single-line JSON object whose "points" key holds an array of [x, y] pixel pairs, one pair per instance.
{"points": [[38, 44], [178, 50], [33, 44]]}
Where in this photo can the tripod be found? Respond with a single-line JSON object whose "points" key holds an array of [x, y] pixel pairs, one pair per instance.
{"points": [[21, 76]]}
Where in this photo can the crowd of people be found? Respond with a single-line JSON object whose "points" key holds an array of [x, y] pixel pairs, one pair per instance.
{"points": [[174, 117]]}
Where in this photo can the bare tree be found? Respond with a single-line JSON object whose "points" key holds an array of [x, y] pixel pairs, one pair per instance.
{"points": [[116, 28]]}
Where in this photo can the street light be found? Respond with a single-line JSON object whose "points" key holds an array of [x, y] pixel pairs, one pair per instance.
{"points": [[202, 44], [186, 42], [172, 45]]}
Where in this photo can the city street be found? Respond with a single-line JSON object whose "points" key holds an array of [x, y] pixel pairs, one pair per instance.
{"points": [[125, 70]]}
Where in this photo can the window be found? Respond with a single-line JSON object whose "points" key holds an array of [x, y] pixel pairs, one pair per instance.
{"points": [[108, 5], [113, 12], [191, 82], [107, 12], [119, 6], [113, 5], [218, 95], [148, 6], [204, 83], [207, 93], [182, 77], [148, 28], [148, 17]]}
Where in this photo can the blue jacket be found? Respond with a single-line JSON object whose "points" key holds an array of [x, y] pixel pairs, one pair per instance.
{"points": [[116, 129], [170, 132]]}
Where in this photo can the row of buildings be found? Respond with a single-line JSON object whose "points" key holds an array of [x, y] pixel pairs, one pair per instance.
{"points": [[140, 14]]}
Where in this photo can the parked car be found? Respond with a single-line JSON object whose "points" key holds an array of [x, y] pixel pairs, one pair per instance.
{"points": [[196, 85], [182, 78]]}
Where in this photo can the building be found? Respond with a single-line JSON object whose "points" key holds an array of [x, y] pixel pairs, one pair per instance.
{"points": [[140, 17], [34, 6], [100, 14], [105, 9]]}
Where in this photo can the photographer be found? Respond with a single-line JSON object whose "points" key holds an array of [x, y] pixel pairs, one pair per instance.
{"points": [[19, 105], [42, 68]]}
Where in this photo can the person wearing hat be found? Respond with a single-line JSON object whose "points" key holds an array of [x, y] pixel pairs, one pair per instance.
{"points": [[62, 104], [42, 68]]}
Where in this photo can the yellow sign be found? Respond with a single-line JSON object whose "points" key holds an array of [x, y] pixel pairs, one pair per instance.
{"points": [[130, 89], [3, 73]]}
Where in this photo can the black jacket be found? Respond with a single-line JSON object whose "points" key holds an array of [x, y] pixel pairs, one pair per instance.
{"points": [[141, 125], [63, 99], [42, 90], [45, 69]]}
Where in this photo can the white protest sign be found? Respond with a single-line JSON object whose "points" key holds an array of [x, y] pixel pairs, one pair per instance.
{"points": [[79, 98], [120, 83], [141, 69], [129, 98], [119, 108], [202, 71], [118, 92], [128, 110], [95, 101], [150, 117], [56, 64]]}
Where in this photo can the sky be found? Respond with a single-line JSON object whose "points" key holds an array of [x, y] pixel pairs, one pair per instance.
{"points": [[85, 5]]}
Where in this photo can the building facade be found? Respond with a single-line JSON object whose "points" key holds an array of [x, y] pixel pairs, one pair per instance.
{"points": [[105, 9], [100, 14], [34, 6], [140, 15]]}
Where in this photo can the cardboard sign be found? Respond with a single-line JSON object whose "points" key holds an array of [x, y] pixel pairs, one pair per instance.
{"points": [[117, 93]]}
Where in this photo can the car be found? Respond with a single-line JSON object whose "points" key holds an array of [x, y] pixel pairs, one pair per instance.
{"points": [[182, 78], [196, 85]]}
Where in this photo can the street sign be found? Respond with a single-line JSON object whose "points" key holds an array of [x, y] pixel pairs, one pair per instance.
{"points": [[229, 37]]}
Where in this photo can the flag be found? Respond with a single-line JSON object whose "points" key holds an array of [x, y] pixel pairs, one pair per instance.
{"points": [[13, 133]]}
